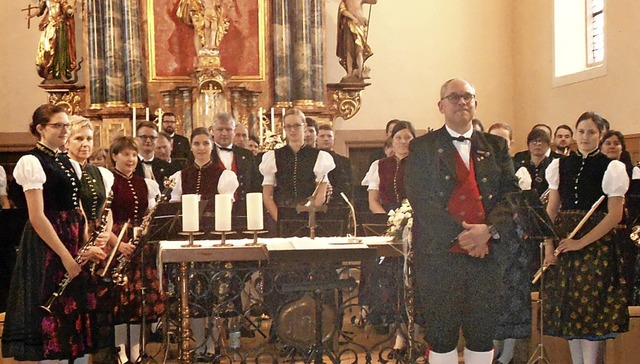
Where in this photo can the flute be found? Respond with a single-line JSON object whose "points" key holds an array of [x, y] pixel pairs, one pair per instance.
{"points": [[584, 220]]}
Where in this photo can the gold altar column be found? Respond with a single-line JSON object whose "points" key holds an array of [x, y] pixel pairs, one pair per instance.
{"points": [[95, 27], [298, 47], [135, 87], [281, 53], [317, 57], [114, 55]]}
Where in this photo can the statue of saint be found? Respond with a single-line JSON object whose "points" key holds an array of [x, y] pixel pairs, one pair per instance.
{"points": [[56, 59], [208, 20], [352, 48]]}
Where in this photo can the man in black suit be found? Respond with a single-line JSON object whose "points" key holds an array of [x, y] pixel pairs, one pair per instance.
{"points": [[457, 180], [238, 159], [181, 150], [148, 165], [340, 177], [562, 141], [163, 151]]}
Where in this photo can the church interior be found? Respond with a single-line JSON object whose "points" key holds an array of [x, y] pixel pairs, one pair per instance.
{"points": [[528, 60]]}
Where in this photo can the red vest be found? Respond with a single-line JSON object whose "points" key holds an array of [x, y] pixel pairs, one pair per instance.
{"points": [[465, 203]]}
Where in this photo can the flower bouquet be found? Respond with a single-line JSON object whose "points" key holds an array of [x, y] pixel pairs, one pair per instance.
{"points": [[399, 220]]}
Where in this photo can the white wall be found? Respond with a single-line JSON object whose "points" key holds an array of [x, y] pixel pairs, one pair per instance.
{"points": [[418, 45], [615, 96], [19, 93]]}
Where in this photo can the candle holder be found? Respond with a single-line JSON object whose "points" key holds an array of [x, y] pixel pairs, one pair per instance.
{"points": [[255, 236], [223, 237], [191, 234]]}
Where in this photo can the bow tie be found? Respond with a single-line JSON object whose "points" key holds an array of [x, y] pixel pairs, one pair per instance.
{"points": [[147, 162], [225, 149], [460, 138]]}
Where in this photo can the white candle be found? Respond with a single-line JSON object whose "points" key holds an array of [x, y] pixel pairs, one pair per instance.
{"points": [[146, 114], [223, 212], [190, 213], [260, 124], [284, 135], [273, 121], [255, 220], [134, 124]]}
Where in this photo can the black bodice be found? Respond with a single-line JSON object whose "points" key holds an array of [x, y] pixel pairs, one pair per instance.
{"points": [[581, 180], [295, 180], [62, 187]]}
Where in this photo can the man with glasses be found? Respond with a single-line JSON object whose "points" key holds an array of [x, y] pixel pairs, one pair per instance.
{"points": [[149, 166], [180, 144], [456, 181], [538, 142], [524, 157]]}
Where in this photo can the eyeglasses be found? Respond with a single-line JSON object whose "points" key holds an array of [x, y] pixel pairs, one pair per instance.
{"points": [[293, 126], [455, 98], [148, 137], [59, 125], [538, 141]]}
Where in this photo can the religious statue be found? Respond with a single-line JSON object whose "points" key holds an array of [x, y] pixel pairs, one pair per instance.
{"points": [[56, 59], [208, 20], [353, 49]]}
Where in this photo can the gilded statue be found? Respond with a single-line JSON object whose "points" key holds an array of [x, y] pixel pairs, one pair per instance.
{"points": [[56, 59], [208, 20], [353, 49]]}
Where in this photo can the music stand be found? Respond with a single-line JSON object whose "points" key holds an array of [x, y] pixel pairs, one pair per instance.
{"points": [[533, 218], [166, 222], [330, 223]]}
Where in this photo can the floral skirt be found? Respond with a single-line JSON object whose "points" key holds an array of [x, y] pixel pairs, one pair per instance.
{"points": [[584, 294], [142, 272], [30, 333]]}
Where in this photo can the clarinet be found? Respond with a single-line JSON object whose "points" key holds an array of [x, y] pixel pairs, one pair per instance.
{"points": [[90, 244], [118, 274]]}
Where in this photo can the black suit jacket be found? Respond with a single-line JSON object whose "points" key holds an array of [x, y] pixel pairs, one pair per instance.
{"points": [[340, 178], [160, 168], [249, 178], [522, 158], [181, 148], [431, 177]]}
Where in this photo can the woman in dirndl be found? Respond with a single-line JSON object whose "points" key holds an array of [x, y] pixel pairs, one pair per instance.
{"points": [[133, 195], [48, 250], [205, 179], [584, 289]]}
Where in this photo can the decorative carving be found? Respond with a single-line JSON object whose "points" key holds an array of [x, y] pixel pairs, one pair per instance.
{"points": [[345, 99], [70, 97]]}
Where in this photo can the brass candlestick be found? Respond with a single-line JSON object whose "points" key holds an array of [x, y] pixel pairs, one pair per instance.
{"points": [[223, 237], [191, 234], [255, 236]]}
